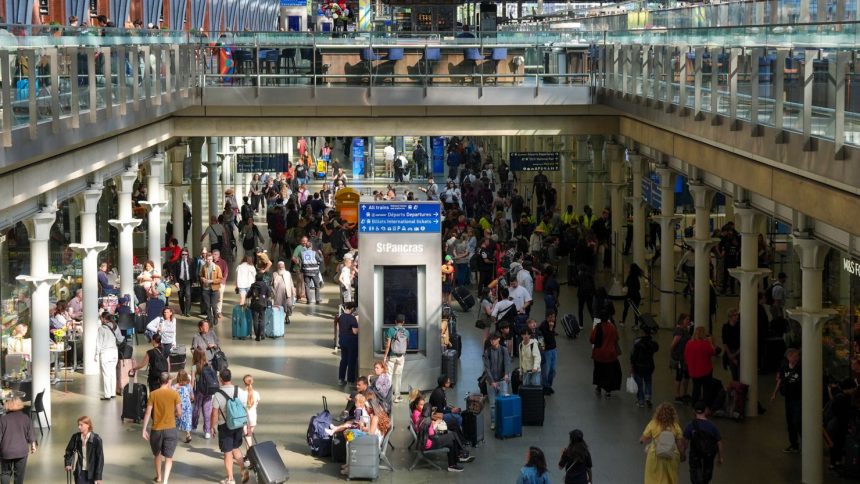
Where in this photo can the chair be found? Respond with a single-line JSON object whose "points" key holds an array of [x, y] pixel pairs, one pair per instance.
{"points": [[394, 54], [499, 54], [272, 62], [384, 463], [422, 454], [471, 57], [288, 60], [367, 57], [38, 408]]}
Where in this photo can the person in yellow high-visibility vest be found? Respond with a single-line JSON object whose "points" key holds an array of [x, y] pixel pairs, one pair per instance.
{"points": [[588, 218], [568, 216]]}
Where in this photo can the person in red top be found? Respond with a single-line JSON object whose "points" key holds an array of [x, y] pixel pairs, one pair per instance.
{"points": [[173, 250], [698, 354], [607, 368]]}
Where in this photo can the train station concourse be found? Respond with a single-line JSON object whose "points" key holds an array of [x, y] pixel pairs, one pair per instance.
{"points": [[429, 242]]}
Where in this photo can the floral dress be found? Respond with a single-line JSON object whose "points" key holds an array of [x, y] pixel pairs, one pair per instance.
{"points": [[184, 422]]}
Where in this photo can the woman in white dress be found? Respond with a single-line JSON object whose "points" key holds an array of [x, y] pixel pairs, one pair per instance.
{"points": [[251, 406]]}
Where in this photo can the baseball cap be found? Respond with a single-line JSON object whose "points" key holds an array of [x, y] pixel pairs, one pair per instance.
{"points": [[448, 258]]}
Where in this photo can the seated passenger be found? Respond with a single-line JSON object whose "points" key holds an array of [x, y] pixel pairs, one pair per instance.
{"points": [[439, 403], [361, 387], [434, 433]]}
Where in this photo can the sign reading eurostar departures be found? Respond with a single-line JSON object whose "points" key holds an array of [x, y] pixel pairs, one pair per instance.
{"points": [[534, 161], [262, 162], [399, 217]]}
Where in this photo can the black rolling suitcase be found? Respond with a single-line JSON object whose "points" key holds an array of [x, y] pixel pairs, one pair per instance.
{"points": [[533, 404], [465, 298], [177, 358], [267, 463], [134, 398], [449, 365], [338, 448], [473, 427], [570, 325]]}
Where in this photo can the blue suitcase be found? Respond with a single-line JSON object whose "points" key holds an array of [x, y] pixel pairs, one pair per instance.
{"points": [[509, 420], [274, 322], [241, 322]]}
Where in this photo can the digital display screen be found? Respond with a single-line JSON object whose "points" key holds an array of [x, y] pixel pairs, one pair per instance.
{"points": [[400, 293]]}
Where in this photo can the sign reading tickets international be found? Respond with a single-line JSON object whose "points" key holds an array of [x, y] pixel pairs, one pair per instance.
{"points": [[399, 217], [536, 160], [262, 162]]}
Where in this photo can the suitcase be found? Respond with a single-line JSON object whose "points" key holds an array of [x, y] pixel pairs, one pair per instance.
{"points": [[457, 344], [125, 351], [338, 448], [267, 463], [449, 365], [274, 322], [473, 427], [570, 325], [508, 416], [533, 404], [538, 283], [363, 455], [734, 402], [647, 321], [465, 298], [516, 380], [122, 378], [134, 398], [177, 358], [241, 322]]}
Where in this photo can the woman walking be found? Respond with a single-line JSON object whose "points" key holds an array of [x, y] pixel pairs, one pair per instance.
{"points": [[535, 470], [607, 369], [634, 294], [205, 384], [183, 388], [698, 354], [85, 456], [664, 439], [576, 460], [17, 441], [251, 406]]}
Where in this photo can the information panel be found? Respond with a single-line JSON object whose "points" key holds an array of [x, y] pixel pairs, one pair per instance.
{"points": [[399, 217], [534, 161], [262, 162]]}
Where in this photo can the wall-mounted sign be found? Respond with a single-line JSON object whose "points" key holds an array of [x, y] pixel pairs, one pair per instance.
{"points": [[437, 151], [294, 3], [399, 217], [262, 162], [851, 266], [534, 161]]}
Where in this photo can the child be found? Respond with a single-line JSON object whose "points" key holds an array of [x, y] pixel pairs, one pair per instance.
{"points": [[183, 388], [360, 415], [251, 405]]}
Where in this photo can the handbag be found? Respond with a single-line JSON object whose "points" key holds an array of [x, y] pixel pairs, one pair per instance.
{"points": [[632, 387]]}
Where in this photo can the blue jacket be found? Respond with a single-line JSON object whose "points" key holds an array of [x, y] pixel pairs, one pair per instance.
{"points": [[529, 475]]}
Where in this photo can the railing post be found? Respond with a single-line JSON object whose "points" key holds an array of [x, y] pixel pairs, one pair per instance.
{"points": [[122, 97], [842, 61], [733, 88], [806, 118], [6, 90], [697, 83], [669, 62], [682, 81], [32, 106], [91, 84], [778, 94], [75, 100], [658, 73], [647, 67], [156, 75], [755, 88], [108, 89], [147, 75], [55, 89]]}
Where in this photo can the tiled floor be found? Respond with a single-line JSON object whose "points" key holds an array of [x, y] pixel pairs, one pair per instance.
{"points": [[293, 373]]}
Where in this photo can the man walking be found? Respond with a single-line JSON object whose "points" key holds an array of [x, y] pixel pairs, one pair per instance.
{"points": [[164, 407], [344, 278], [396, 343], [529, 359], [186, 275], [388, 155], [211, 280], [225, 273], [704, 444], [311, 260], [107, 355], [419, 157], [229, 440]]}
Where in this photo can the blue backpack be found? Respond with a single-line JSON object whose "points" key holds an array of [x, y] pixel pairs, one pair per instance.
{"points": [[235, 414], [318, 440]]}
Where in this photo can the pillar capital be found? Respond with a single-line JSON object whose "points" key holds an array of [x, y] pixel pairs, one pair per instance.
{"points": [[124, 224], [810, 251], [38, 281], [702, 245], [636, 163], [88, 200], [87, 249], [703, 196], [634, 202], [810, 318], [154, 205], [39, 225], [745, 219], [667, 220], [746, 276], [126, 179]]}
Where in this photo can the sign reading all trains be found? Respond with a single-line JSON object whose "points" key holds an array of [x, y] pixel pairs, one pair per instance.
{"points": [[399, 217]]}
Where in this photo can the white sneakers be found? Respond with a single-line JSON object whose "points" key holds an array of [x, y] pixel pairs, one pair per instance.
{"points": [[207, 435]]}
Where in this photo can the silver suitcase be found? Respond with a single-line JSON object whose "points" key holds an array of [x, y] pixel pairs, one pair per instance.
{"points": [[363, 457]]}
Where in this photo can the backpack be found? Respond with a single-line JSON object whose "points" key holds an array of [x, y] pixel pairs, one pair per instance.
{"points": [[664, 444], [318, 440], [247, 212], [400, 341], [158, 364], [260, 296], [309, 260], [398, 163], [703, 443], [234, 413], [207, 382]]}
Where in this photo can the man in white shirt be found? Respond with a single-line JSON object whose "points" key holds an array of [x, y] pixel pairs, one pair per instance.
{"points": [[388, 155], [345, 279], [501, 308], [229, 440], [76, 305], [525, 280], [521, 297]]}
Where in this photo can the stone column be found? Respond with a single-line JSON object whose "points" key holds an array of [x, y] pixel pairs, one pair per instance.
{"points": [[125, 224], [667, 220], [178, 189], [196, 148], [615, 157], [212, 164], [702, 243], [638, 164], [596, 174], [155, 203], [749, 276], [566, 161], [89, 248], [811, 315], [583, 162], [41, 280]]}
